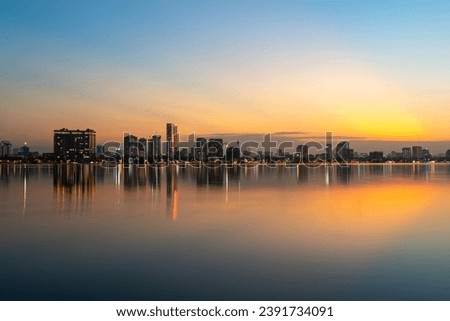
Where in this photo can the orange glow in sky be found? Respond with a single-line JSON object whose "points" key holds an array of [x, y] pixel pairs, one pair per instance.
{"points": [[353, 70]]}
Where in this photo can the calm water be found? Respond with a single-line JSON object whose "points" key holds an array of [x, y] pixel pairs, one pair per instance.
{"points": [[378, 232]]}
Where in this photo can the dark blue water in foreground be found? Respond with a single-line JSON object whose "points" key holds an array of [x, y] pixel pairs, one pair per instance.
{"points": [[367, 232]]}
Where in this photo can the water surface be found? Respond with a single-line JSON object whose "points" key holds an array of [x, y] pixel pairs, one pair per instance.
{"points": [[366, 232]]}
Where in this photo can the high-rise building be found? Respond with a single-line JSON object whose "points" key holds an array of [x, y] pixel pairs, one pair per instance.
{"points": [[406, 153], [172, 140], [395, 156], [199, 152], [130, 148], [376, 157], [5, 148], [343, 151], [142, 148], [214, 149], [154, 148], [24, 150], [302, 152], [233, 154], [73, 145], [329, 147], [417, 153]]}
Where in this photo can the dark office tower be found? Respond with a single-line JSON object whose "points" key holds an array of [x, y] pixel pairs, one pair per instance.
{"points": [[74, 145], [142, 148], [343, 151], [214, 149], [172, 140], [417, 153], [329, 147], [5, 148], [199, 152], [187, 149], [406, 153], [376, 157], [426, 155], [154, 148], [151, 154], [130, 148], [302, 152], [351, 152], [233, 154], [447, 155], [24, 150]]}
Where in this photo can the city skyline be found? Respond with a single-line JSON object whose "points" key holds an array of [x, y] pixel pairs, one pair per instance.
{"points": [[369, 73], [81, 145], [435, 148]]}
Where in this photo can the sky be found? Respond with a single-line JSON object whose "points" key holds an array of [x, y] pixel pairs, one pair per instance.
{"points": [[374, 72]]}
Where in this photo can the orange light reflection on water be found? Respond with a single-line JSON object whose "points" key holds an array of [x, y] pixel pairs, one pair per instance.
{"points": [[342, 221]]}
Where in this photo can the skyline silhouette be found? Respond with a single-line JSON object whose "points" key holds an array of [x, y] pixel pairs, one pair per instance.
{"points": [[438, 148]]}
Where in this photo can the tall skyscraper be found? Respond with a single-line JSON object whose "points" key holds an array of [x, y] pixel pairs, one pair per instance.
{"points": [[73, 145], [329, 147], [172, 140], [406, 153], [343, 151], [214, 149], [417, 153], [142, 147], [199, 152], [302, 151], [24, 150], [5, 148], [233, 152], [154, 148], [130, 148]]}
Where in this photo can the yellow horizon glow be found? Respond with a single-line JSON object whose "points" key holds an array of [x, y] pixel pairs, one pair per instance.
{"points": [[355, 101]]}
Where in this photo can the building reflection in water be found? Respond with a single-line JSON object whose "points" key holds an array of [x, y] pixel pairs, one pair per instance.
{"points": [[328, 175], [154, 177], [232, 177], [4, 177], [118, 176], [73, 187], [25, 178], [135, 177], [219, 177], [343, 174], [377, 170], [154, 181], [210, 176], [130, 177], [11, 173], [302, 173], [172, 192], [74, 184]]}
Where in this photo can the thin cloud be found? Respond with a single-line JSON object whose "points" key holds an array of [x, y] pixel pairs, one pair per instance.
{"points": [[297, 135], [229, 134], [289, 133], [259, 133], [334, 137]]}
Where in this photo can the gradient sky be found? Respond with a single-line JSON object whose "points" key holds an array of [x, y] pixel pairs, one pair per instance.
{"points": [[366, 70]]}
